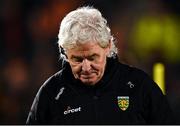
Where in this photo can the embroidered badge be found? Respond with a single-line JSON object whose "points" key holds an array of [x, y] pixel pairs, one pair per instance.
{"points": [[123, 102]]}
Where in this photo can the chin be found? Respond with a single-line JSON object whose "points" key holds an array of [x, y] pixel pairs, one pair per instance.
{"points": [[89, 82]]}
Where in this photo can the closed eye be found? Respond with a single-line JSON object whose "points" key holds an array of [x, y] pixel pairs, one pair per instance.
{"points": [[92, 57], [77, 59]]}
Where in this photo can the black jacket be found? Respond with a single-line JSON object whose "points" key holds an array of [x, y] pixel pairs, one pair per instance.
{"points": [[125, 95]]}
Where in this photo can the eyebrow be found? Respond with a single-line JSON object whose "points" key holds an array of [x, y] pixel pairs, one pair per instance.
{"points": [[73, 56]]}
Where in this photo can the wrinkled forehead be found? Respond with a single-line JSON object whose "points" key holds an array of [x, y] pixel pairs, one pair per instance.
{"points": [[85, 50], [86, 46]]}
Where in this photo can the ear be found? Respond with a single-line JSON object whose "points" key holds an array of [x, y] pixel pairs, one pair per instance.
{"points": [[63, 54]]}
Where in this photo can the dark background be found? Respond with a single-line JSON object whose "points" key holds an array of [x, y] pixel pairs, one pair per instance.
{"points": [[147, 31]]}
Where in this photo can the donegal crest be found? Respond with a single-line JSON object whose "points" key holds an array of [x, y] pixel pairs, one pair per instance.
{"points": [[123, 102]]}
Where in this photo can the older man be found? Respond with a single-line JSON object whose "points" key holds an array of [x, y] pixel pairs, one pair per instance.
{"points": [[93, 87]]}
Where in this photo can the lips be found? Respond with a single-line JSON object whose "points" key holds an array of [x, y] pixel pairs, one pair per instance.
{"points": [[86, 76]]}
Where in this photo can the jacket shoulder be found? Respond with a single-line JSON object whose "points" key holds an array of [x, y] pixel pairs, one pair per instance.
{"points": [[138, 79], [43, 98], [53, 83], [52, 80], [132, 73]]}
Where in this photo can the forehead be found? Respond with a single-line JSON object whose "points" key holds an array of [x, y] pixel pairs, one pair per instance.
{"points": [[89, 46]]}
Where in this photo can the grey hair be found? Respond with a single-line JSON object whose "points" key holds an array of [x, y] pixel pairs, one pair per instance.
{"points": [[82, 25]]}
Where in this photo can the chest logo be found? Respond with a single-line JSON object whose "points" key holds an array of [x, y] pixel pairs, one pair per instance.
{"points": [[70, 110], [123, 102]]}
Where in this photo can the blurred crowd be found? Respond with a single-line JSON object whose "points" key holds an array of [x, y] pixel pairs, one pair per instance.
{"points": [[29, 52]]}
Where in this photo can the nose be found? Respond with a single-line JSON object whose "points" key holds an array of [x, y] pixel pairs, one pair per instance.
{"points": [[86, 65]]}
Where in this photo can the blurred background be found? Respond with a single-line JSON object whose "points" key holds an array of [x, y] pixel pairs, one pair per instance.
{"points": [[147, 32]]}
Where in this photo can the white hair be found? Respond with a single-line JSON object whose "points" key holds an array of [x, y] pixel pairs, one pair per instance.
{"points": [[82, 25]]}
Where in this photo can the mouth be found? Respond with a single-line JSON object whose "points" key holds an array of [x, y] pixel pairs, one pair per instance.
{"points": [[86, 76]]}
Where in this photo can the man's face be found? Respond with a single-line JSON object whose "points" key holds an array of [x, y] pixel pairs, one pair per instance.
{"points": [[88, 62]]}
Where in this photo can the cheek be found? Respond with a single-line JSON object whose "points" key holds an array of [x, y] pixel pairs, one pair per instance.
{"points": [[99, 67], [75, 68], [102, 64]]}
